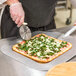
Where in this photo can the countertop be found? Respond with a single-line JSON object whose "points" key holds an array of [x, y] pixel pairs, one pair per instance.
{"points": [[11, 67]]}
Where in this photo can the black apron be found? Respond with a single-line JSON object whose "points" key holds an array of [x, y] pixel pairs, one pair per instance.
{"points": [[39, 16]]}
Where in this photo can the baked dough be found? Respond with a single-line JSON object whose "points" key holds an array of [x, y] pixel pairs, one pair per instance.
{"points": [[64, 69], [39, 59]]}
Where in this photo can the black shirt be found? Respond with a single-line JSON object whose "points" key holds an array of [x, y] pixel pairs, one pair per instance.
{"points": [[39, 12]]}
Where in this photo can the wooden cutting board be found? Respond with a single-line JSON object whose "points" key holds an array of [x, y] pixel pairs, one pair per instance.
{"points": [[64, 69]]}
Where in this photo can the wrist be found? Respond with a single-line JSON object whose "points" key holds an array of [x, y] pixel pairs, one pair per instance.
{"points": [[15, 4], [10, 2]]}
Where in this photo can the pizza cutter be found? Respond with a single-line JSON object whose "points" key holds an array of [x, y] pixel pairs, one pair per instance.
{"points": [[24, 31], [67, 33]]}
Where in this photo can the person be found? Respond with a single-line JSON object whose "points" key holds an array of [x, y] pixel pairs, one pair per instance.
{"points": [[39, 14]]}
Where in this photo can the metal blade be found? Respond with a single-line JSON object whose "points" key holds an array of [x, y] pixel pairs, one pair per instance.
{"points": [[25, 32]]}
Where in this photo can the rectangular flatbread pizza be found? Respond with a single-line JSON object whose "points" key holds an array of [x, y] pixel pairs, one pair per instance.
{"points": [[42, 48]]}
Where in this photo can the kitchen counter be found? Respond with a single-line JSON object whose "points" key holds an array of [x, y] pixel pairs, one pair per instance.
{"points": [[11, 67]]}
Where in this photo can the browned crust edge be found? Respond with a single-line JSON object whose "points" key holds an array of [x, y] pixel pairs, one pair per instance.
{"points": [[49, 71], [42, 60]]}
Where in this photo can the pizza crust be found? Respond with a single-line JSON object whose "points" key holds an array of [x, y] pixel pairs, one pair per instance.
{"points": [[64, 69], [42, 60]]}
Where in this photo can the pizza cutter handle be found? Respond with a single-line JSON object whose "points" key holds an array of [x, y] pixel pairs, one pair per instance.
{"points": [[25, 23]]}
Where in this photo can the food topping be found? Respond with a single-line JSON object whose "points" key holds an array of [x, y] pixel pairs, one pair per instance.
{"points": [[42, 46]]}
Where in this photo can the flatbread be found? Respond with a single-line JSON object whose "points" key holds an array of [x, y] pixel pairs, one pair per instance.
{"points": [[49, 54], [64, 69]]}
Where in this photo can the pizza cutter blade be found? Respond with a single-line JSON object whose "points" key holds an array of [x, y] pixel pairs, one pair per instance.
{"points": [[25, 32]]}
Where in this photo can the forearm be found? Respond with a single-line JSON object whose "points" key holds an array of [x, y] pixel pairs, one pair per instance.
{"points": [[10, 2]]}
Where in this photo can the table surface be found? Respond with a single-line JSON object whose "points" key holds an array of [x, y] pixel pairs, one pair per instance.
{"points": [[10, 67]]}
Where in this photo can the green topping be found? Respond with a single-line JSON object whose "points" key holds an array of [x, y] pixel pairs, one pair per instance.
{"points": [[50, 53], [42, 46], [63, 44], [45, 57]]}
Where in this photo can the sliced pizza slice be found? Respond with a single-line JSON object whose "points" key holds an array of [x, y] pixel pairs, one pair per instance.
{"points": [[42, 48]]}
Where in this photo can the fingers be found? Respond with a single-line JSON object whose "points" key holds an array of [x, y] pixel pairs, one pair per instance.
{"points": [[14, 17], [20, 22], [17, 13], [17, 19]]}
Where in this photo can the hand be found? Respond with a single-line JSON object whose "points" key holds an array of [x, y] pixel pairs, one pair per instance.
{"points": [[17, 13]]}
